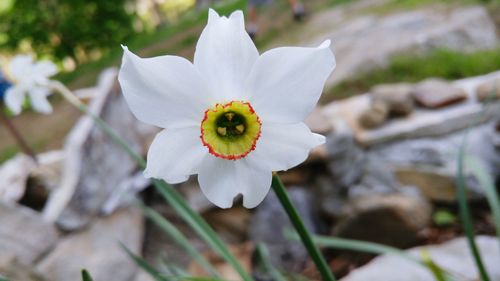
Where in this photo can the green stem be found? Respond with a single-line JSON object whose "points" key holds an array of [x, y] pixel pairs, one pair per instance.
{"points": [[304, 234], [465, 214]]}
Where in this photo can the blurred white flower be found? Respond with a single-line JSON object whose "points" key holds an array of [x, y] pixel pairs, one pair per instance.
{"points": [[232, 116], [29, 78]]}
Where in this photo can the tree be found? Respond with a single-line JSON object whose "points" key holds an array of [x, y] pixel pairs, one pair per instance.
{"points": [[66, 28]]}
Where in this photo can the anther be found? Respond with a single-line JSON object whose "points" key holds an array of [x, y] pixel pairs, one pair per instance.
{"points": [[222, 131], [240, 128], [229, 116]]}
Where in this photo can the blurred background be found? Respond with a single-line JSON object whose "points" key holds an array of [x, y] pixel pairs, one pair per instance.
{"points": [[413, 78]]}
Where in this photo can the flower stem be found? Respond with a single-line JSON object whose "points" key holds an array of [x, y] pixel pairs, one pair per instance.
{"points": [[304, 234], [17, 136]]}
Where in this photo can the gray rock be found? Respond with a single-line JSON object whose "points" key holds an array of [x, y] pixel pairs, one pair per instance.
{"points": [[489, 90], [453, 256], [423, 122], [97, 249], [376, 179], [347, 158], [143, 276], [270, 221], [392, 219], [416, 31], [23, 233], [331, 198], [12, 269], [375, 116], [14, 177], [90, 175], [397, 97], [318, 123], [431, 163], [436, 93]]}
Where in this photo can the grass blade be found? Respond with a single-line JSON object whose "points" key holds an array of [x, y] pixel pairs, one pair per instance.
{"points": [[366, 247], [199, 225], [175, 234], [465, 213], [145, 265], [3, 279], [263, 253], [433, 267], [85, 276], [486, 182]]}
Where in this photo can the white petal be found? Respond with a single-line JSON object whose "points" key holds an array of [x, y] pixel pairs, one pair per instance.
{"points": [[222, 180], [175, 154], [44, 69], [39, 101], [14, 99], [225, 55], [284, 146], [165, 91], [286, 83], [20, 66]]}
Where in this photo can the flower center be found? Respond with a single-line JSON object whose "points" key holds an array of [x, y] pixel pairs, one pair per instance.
{"points": [[230, 130]]}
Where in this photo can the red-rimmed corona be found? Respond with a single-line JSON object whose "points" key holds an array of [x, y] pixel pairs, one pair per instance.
{"points": [[232, 117], [231, 130]]}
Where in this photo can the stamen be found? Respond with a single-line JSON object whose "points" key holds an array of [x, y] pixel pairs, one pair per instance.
{"points": [[240, 128], [222, 131], [230, 131], [229, 116]]}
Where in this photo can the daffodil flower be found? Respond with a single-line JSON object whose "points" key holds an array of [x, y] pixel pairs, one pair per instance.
{"points": [[29, 78], [232, 117]]}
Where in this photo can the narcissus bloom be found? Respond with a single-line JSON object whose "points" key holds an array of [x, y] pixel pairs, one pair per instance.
{"points": [[232, 117], [29, 78]]}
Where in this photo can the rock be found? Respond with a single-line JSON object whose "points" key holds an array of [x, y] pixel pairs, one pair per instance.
{"points": [[331, 198], [422, 122], [435, 184], [269, 222], [12, 269], [393, 219], [431, 163], [436, 93], [242, 253], [376, 179], [14, 176], [318, 123], [375, 116], [453, 256], [347, 158], [397, 97], [489, 90], [97, 249], [416, 31], [232, 224], [143, 276], [23, 233], [90, 175], [48, 171]]}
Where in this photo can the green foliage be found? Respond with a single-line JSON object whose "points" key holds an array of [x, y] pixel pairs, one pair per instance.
{"points": [[66, 28], [465, 214], [487, 183], [86, 276], [443, 218], [442, 63]]}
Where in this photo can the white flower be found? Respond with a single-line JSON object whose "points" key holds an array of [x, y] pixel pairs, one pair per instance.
{"points": [[29, 78], [232, 116]]}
